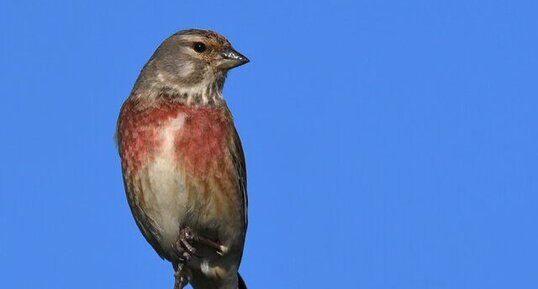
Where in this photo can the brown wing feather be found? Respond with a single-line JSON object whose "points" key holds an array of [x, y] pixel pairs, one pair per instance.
{"points": [[144, 222], [240, 166]]}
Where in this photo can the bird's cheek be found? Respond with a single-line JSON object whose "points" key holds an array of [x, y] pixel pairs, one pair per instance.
{"points": [[186, 69]]}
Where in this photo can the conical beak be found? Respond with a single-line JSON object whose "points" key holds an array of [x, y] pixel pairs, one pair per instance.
{"points": [[231, 59]]}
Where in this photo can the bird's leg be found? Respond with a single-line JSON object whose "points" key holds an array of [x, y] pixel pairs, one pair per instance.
{"points": [[180, 279]]}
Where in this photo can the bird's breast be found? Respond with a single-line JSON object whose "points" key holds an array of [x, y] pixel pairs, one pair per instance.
{"points": [[195, 138]]}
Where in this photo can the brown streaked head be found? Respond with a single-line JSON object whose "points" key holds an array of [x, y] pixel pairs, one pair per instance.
{"points": [[190, 62]]}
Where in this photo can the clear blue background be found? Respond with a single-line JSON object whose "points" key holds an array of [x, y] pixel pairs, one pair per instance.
{"points": [[389, 144]]}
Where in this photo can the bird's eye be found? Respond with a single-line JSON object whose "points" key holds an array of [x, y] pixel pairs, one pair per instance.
{"points": [[199, 47]]}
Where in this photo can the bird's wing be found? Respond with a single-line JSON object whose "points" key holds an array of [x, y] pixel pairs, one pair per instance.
{"points": [[240, 167], [143, 221]]}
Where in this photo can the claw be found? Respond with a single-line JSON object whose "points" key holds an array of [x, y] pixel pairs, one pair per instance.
{"points": [[188, 246]]}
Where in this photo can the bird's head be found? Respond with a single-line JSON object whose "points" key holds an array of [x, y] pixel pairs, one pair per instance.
{"points": [[189, 65]]}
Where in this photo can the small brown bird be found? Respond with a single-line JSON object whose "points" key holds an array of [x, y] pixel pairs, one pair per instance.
{"points": [[182, 161]]}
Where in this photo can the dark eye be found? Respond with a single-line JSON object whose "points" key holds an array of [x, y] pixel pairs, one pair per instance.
{"points": [[199, 47]]}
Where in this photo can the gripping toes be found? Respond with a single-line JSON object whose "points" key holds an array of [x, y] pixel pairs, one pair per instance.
{"points": [[184, 247]]}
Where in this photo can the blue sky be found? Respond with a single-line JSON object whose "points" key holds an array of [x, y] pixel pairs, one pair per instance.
{"points": [[389, 144]]}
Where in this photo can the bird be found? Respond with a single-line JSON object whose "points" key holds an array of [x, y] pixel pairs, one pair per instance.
{"points": [[182, 160]]}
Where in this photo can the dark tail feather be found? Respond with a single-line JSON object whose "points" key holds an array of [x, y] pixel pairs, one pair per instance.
{"points": [[242, 284]]}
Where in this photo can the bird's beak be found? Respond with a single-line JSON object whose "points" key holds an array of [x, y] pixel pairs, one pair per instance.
{"points": [[231, 58]]}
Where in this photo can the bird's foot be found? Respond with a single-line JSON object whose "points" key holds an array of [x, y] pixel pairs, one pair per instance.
{"points": [[187, 236], [184, 247]]}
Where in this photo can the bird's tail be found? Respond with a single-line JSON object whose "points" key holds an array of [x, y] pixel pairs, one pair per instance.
{"points": [[241, 283]]}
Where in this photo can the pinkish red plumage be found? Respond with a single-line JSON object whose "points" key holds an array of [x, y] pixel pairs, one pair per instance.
{"points": [[200, 145]]}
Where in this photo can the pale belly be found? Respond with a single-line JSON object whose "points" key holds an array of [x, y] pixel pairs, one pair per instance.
{"points": [[165, 197], [165, 200]]}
